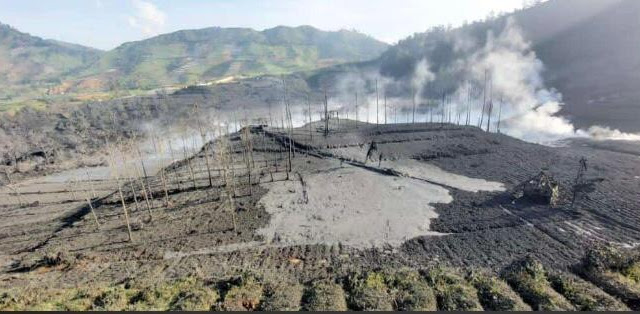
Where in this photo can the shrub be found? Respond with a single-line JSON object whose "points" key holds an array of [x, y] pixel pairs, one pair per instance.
{"points": [[411, 292], [282, 296], [528, 278], [452, 292], [632, 271], [496, 295], [245, 296], [114, 298], [325, 296], [184, 294], [605, 257], [585, 296], [369, 292]]}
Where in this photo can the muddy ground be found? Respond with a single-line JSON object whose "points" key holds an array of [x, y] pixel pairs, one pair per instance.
{"points": [[428, 194]]}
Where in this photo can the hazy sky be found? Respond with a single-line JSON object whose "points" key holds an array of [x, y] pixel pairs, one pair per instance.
{"points": [[106, 24]]}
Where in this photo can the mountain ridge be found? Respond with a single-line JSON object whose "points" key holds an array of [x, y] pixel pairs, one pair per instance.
{"points": [[33, 67]]}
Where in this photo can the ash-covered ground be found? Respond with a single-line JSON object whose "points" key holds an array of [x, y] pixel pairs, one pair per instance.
{"points": [[359, 196]]}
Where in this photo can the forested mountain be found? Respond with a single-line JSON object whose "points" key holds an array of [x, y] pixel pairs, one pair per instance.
{"points": [[191, 56], [32, 67], [27, 60]]}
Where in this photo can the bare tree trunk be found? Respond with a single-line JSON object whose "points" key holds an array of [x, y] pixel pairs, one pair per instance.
{"points": [[356, 110], [204, 142], [490, 108], [499, 114], [173, 158], [163, 178], [124, 208], [144, 192], [413, 101], [326, 114], [188, 158], [377, 105], [93, 190], [93, 213], [310, 119], [484, 99], [467, 121], [144, 172], [385, 107]]}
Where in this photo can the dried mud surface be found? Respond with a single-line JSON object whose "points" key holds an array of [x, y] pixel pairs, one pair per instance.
{"points": [[468, 218]]}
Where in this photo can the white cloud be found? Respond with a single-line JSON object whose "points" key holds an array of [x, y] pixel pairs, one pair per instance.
{"points": [[99, 4], [148, 18]]}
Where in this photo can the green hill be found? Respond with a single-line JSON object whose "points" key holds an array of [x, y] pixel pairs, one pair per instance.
{"points": [[34, 71], [192, 56], [28, 62]]}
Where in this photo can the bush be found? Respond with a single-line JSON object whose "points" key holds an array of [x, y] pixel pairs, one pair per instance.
{"points": [[184, 294], [411, 292], [632, 271], [605, 258], [369, 292], [113, 299], [496, 295], [49, 300], [616, 284], [282, 296], [325, 296], [528, 278], [585, 296], [452, 292], [245, 296]]}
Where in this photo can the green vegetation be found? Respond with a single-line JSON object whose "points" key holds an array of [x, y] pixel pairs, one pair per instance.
{"points": [[496, 295], [585, 296], [246, 295], [282, 296], [615, 272], [187, 294], [190, 56], [369, 292], [325, 295], [404, 289], [529, 279], [452, 291], [411, 292], [41, 68]]}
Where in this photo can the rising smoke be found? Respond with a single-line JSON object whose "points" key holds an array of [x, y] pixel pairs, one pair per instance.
{"points": [[503, 76]]}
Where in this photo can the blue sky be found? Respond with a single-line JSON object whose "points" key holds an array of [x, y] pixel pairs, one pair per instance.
{"points": [[106, 24]]}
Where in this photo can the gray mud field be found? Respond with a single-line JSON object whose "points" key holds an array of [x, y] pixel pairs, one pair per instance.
{"points": [[425, 194]]}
